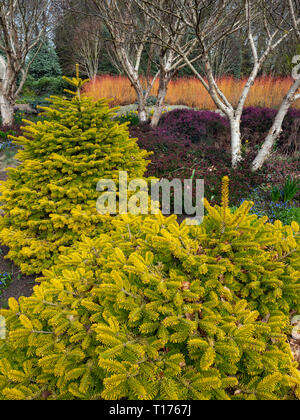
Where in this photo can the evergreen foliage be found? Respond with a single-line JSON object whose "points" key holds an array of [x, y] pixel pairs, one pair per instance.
{"points": [[256, 260], [49, 201], [44, 87], [46, 63], [154, 310]]}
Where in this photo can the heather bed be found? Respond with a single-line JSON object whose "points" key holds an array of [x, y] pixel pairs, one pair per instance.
{"points": [[189, 143]]}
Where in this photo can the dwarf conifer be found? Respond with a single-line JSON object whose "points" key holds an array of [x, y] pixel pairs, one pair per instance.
{"points": [[49, 201], [158, 310]]}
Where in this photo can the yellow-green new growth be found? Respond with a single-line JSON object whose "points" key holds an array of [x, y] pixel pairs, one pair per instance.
{"points": [[156, 310], [225, 192], [225, 199], [77, 82], [49, 201]]}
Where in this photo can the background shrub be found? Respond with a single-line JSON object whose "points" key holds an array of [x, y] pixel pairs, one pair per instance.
{"points": [[46, 62], [197, 126], [6, 132], [44, 86], [151, 101], [208, 127], [286, 212], [150, 312], [130, 117], [256, 123], [176, 157]]}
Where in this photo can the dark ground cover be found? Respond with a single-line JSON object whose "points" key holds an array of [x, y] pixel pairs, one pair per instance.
{"points": [[197, 144]]}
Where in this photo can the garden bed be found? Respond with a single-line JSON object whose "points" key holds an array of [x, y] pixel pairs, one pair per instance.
{"points": [[216, 302], [174, 156], [19, 285]]}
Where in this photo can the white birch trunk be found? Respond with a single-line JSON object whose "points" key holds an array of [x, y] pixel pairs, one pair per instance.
{"points": [[162, 92], [7, 111], [236, 150], [142, 111], [276, 128]]}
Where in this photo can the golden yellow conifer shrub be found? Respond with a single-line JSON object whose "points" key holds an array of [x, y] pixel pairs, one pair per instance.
{"points": [[158, 310], [258, 261], [50, 199]]}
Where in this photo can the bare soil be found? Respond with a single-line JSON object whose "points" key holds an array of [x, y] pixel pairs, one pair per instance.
{"points": [[21, 285]]}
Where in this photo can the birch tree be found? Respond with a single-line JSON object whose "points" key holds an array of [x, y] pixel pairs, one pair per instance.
{"points": [[169, 61], [129, 30], [134, 32], [213, 21], [88, 43], [22, 27], [209, 22], [292, 96]]}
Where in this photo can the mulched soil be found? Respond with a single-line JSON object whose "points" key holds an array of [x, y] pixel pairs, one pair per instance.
{"points": [[21, 285], [3, 176]]}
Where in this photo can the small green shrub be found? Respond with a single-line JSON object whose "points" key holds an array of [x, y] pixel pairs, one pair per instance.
{"points": [[6, 144], [44, 86], [289, 191], [5, 280], [270, 203], [151, 101], [130, 117], [276, 194], [286, 214]]}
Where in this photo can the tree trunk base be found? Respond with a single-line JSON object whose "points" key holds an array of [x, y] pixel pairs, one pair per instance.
{"points": [[7, 112]]}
